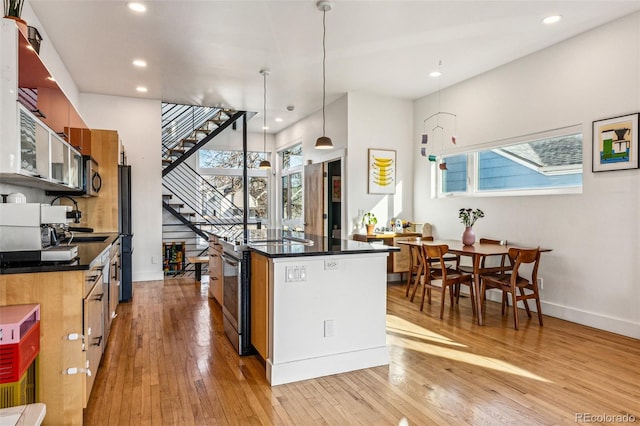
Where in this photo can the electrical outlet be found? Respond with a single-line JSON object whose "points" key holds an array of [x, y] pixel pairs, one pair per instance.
{"points": [[540, 283], [328, 328], [331, 265]]}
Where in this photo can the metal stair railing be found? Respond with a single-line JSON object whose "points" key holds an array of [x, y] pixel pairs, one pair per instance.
{"points": [[213, 209], [181, 121], [202, 142]]}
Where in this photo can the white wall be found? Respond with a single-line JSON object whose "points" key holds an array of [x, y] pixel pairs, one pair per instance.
{"points": [[379, 122], [139, 128], [592, 276], [307, 131]]}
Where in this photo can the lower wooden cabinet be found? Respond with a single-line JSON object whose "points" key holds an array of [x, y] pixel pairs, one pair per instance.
{"points": [[61, 376], [396, 262], [260, 279]]}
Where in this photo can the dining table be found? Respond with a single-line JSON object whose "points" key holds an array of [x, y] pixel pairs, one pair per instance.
{"points": [[477, 251]]}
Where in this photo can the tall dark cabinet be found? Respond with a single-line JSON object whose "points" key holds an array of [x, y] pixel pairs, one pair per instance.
{"points": [[126, 232]]}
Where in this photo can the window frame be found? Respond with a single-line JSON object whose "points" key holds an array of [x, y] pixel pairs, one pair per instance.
{"points": [[287, 221], [472, 190], [232, 172]]}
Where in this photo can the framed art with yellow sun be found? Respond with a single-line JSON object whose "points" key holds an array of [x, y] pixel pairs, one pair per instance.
{"points": [[382, 171]]}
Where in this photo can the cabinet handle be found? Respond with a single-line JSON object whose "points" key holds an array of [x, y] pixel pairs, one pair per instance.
{"points": [[99, 297], [74, 336], [75, 370], [98, 341]]}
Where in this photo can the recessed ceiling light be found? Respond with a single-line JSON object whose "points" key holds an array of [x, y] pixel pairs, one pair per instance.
{"points": [[435, 74], [278, 120], [137, 7], [140, 63], [142, 89], [552, 19]]}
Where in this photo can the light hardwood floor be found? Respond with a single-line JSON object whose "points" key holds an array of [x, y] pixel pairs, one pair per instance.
{"points": [[168, 363]]}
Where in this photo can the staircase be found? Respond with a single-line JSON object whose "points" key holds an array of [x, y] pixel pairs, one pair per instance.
{"points": [[193, 207]]}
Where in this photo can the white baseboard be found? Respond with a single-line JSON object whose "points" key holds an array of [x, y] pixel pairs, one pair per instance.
{"points": [[592, 319], [304, 369], [148, 276], [579, 316]]}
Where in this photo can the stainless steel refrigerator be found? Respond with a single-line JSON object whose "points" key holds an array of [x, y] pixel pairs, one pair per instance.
{"points": [[126, 232]]}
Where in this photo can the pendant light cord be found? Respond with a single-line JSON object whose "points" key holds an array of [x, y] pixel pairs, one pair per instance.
{"points": [[324, 59], [264, 116]]}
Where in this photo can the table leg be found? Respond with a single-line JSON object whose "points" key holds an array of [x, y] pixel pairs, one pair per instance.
{"points": [[198, 271], [476, 287]]}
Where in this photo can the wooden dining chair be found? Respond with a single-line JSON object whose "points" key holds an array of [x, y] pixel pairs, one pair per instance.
{"points": [[503, 260], [416, 267], [438, 276], [515, 283], [415, 264]]}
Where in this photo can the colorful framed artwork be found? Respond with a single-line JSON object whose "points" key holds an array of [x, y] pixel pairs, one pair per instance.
{"points": [[382, 171], [615, 143], [336, 190]]}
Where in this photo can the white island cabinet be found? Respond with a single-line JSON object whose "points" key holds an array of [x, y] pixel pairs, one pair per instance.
{"points": [[326, 309]]}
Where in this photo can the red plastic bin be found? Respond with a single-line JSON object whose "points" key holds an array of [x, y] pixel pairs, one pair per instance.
{"points": [[15, 358]]}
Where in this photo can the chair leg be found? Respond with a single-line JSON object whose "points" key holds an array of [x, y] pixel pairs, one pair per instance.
{"points": [[514, 298], [424, 289], [415, 287], [473, 298], [525, 301], [444, 293], [539, 308]]}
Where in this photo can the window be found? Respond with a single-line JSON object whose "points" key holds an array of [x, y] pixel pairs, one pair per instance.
{"points": [[224, 193], [546, 165], [291, 201]]}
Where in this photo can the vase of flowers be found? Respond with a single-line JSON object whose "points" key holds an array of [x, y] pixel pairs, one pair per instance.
{"points": [[468, 217]]}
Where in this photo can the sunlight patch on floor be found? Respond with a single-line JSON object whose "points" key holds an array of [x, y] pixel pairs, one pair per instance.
{"points": [[402, 327]]}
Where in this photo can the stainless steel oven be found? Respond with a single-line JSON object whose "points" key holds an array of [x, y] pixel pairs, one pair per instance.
{"points": [[235, 296]]}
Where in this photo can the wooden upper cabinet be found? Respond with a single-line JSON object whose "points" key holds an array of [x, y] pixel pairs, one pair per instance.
{"points": [[80, 139], [40, 94]]}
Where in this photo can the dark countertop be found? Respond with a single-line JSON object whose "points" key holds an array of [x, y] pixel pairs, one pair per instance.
{"points": [[87, 254], [278, 243]]}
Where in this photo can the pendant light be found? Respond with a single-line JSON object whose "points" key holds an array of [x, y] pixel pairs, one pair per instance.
{"points": [[264, 164], [324, 142]]}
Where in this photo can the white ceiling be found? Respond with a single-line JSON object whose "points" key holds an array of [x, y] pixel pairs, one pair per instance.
{"points": [[210, 52]]}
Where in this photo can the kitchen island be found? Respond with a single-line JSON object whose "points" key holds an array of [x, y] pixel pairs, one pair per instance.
{"points": [[317, 309]]}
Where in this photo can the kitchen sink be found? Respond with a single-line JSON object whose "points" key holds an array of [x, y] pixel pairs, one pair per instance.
{"points": [[91, 239]]}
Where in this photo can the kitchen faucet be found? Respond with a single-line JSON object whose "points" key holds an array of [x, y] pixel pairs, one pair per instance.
{"points": [[75, 214]]}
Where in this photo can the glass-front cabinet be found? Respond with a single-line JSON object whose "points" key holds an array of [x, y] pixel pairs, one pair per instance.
{"points": [[44, 155], [75, 170], [32, 109], [59, 160], [34, 146]]}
